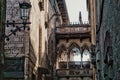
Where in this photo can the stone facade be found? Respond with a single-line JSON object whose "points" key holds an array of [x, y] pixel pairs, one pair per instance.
{"points": [[35, 48], [39, 48], [32, 46], [69, 48], [108, 39], [18, 47], [73, 41]]}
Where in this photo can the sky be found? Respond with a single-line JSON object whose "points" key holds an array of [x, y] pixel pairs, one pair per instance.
{"points": [[74, 7]]}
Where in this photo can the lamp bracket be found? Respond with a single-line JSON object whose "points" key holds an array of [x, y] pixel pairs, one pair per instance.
{"points": [[17, 28]]}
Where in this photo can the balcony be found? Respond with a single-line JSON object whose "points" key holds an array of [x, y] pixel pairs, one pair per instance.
{"points": [[74, 72], [75, 69], [73, 31], [75, 65]]}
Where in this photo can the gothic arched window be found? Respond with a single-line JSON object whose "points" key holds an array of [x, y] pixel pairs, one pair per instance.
{"points": [[75, 54], [86, 55]]}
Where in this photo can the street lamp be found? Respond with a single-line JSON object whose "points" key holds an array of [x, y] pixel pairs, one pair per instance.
{"points": [[24, 15], [24, 10]]}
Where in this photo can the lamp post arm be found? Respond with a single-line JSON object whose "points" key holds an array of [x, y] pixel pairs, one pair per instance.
{"points": [[13, 32], [13, 23]]}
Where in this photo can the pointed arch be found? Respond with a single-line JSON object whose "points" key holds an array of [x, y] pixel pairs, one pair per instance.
{"points": [[74, 52], [72, 45], [86, 55]]}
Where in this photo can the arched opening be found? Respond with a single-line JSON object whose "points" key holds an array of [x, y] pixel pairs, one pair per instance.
{"points": [[86, 58], [75, 54], [86, 55]]}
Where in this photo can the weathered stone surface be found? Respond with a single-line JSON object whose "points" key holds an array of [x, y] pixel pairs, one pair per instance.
{"points": [[111, 23]]}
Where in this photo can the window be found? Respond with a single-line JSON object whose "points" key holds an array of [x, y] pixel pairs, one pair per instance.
{"points": [[86, 55], [75, 54], [41, 5]]}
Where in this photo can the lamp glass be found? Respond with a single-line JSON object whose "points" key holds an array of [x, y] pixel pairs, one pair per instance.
{"points": [[24, 10]]}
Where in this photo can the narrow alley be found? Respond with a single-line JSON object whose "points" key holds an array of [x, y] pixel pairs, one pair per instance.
{"points": [[45, 40]]}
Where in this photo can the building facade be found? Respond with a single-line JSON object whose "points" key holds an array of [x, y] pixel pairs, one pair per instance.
{"points": [[20, 57], [74, 43], [54, 49], [73, 60], [47, 57], [30, 55], [108, 39]]}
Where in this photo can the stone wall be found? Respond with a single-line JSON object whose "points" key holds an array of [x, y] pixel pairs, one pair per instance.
{"points": [[108, 40], [2, 18], [19, 45]]}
